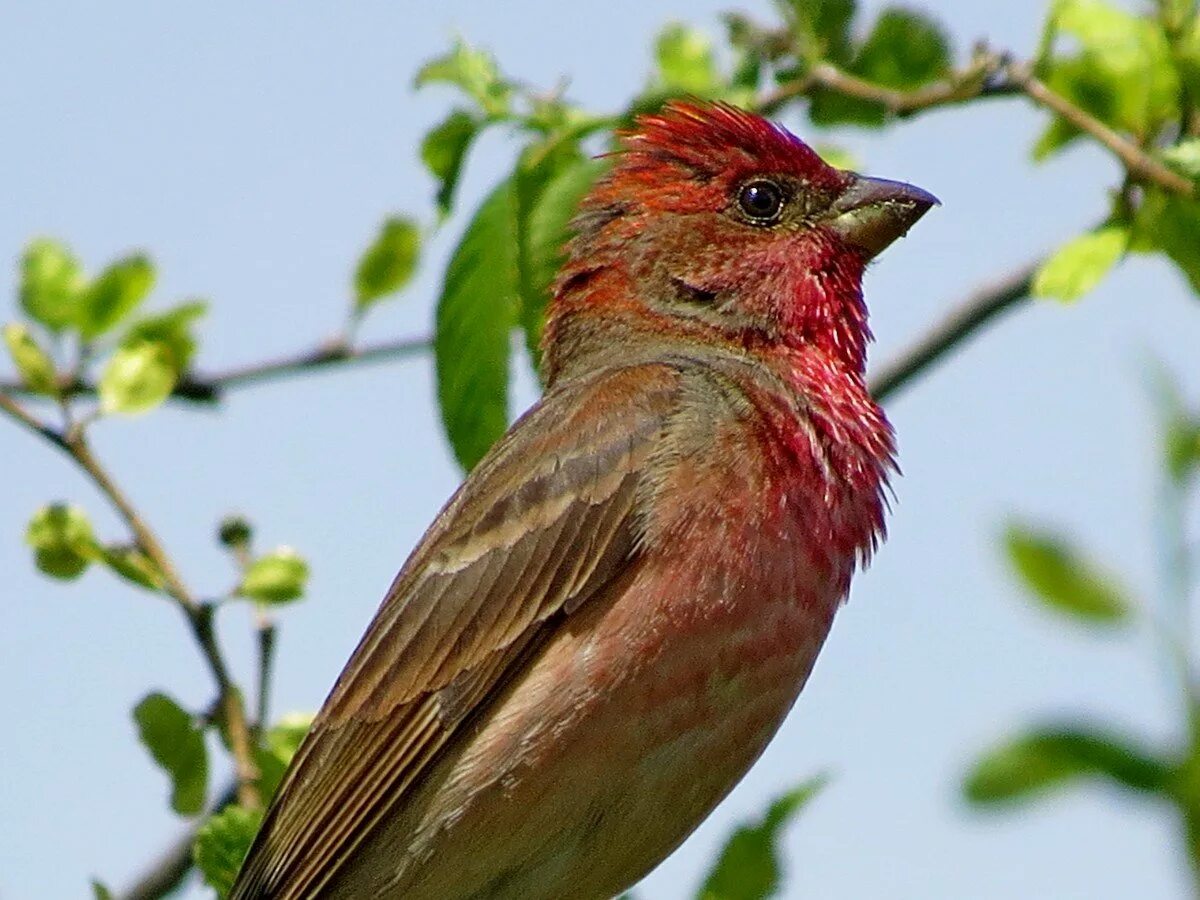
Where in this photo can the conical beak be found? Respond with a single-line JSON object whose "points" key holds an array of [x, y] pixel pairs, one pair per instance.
{"points": [[873, 212]]}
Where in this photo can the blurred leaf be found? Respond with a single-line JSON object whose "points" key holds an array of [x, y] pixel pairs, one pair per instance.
{"points": [[838, 157], [116, 292], [443, 150], [34, 364], [686, 63], [177, 745], [62, 540], [51, 282], [172, 330], [1122, 72], [221, 845], [138, 377], [548, 195], [749, 866], [277, 577], [474, 72], [1081, 264], [101, 891], [476, 312], [821, 28], [1054, 573], [1182, 446], [133, 565], [279, 746], [235, 532], [1184, 157], [1170, 224], [905, 50], [1031, 764], [388, 264]]}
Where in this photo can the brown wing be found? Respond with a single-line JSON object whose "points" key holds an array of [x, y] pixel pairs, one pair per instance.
{"points": [[544, 521]]}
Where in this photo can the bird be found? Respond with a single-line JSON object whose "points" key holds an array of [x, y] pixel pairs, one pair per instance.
{"points": [[609, 620]]}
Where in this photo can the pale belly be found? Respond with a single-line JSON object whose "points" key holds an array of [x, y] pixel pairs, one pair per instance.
{"points": [[629, 727]]}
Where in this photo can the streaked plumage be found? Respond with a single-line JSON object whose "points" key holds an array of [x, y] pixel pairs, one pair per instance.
{"points": [[607, 623]]}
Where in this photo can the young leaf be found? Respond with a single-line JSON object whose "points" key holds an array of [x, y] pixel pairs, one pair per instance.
{"points": [[221, 845], [62, 540], [1184, 157], [476, 314], [1182, 447], [1170, 224], [34, 364], [171, 329], [51, 282], [101, 891], [474, 72], [1054, 573], [177, 745], [749, 866], [686, 64], [277, 577], [133, 565], [1031, 764], [1081, 264], [116, 292], [388, 264], [443, 150], [138, 377], [821, 28]]}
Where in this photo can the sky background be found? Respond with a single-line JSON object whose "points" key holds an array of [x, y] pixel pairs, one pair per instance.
{"points": [[253, 149]]}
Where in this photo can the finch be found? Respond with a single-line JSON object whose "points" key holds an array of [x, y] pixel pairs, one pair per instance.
{"points": [[609, 620]]}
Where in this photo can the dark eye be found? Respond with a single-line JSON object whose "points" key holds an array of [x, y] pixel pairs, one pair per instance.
{"points": [[761, 201]]}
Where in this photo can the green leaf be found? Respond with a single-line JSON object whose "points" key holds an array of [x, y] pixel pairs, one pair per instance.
{"points": [[838, 157], [1056, 575], [101, 891], [1184, 157], [222, 844], [388, 264], [170, 734], [1081, 264], [905, 50], [138, 377], [115, 293], [277, 577], [1030, 765], [1121, 73], [821, 28], [474, 72], [134, 566], [476, 312], [1169, 224], [173, 330], [34, 364], [279, 746], [443, 150], [548, 198], [686, 63], [51, 283], [62, 540], [749, 865], [1182, 447]]}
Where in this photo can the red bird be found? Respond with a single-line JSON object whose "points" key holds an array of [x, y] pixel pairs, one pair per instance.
{"points": [[610, 619]]}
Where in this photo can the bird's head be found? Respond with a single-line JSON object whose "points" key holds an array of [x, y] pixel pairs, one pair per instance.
{"points": [[715, 223]]}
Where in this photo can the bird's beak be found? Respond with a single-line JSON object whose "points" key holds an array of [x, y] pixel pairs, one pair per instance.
{"points": [[873, 212]]}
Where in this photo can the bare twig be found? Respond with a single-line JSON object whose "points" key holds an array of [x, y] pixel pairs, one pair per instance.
{"points": [[212, 387], [975, 312]]}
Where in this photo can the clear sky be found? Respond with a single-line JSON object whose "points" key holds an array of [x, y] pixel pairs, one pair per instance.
{"points": [[253, 149]]}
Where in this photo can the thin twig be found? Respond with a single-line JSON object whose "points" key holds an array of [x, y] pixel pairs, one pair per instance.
{"points": [[212, 387], [975, 312], [1138, 163]]}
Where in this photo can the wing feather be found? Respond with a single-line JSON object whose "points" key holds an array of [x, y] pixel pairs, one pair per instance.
{"points": [[545, 521]]}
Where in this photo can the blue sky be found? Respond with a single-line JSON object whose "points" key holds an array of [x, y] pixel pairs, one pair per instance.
{"points": [[253, 150]]}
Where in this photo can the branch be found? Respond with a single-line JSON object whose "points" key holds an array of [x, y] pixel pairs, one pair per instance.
{"points": [[211, 387], [171, 866], [199, 616], [975, 312]]}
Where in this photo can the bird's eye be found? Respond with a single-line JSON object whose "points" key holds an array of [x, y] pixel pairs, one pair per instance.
{"points": [[761, 201]]}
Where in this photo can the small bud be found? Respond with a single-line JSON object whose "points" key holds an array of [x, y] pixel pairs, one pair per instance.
{"points": [[234, 533]]}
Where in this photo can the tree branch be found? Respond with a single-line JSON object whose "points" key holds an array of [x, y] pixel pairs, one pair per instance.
{"points": [[975, 312], [212, 387]]}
